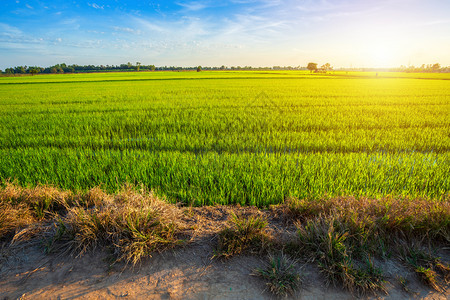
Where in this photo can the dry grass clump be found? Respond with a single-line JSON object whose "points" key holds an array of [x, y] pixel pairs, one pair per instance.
{"points": [[23, 207], [330, 244], [95, 197], [242, 234], [132, 224], [408, 217], [14, 218], [42, 200], [280, 275]]}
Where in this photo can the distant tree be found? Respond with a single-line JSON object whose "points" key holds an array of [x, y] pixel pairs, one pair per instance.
{"points": [[138, 66], [312, 67], [152, 68], [53, 70], [34, 70], [9, 71], [327, 67], [436, 67], [20, 70], [199, 69]]}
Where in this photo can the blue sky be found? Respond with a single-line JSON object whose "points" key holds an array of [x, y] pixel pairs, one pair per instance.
{"points": [[363, 33]]}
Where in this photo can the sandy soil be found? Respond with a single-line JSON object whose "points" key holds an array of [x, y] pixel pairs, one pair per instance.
{"points": [[183, 273], [187, 273]]}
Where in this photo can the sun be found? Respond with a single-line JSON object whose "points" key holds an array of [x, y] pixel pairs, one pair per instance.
{"points": [[382, 56]]}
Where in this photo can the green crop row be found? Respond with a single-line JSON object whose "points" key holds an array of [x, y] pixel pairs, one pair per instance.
{"points": [[246, 178], [222, 137]]}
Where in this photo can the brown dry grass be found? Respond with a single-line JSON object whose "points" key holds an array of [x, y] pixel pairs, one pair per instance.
{"points": [[132, 224], [404, 216], [14, 217], [341, 234], [243, 234]]}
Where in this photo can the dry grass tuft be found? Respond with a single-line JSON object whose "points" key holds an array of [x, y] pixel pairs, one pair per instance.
{"points": [[14, 218], [339, 233], [280, 275], [42, 200], [133, 224], [329, 243], [94, 197], [243, 234]]}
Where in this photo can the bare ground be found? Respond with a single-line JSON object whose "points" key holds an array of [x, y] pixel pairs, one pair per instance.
{"points": [[187, 272]]}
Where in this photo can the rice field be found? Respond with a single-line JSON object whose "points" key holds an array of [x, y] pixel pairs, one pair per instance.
{"points": [[249, 138]]}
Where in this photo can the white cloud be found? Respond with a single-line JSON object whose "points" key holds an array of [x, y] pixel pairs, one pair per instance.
{"points": [[96, 6], [192, 6], [29, 6], [149, 25], [10, 31], [127, 30]]}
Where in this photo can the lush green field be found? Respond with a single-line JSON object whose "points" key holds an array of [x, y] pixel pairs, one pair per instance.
{"points": [[230, 137]]}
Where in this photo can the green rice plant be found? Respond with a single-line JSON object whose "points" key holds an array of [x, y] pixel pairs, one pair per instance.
{"points": [[280, 275], [249, 138]]}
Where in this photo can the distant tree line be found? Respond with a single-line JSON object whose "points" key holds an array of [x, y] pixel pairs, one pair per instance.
{"points": [[430, 68], [128, 67], [64, 68]]}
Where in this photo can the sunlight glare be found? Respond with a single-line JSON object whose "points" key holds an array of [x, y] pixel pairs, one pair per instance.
{"points": [[382, 56]]}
